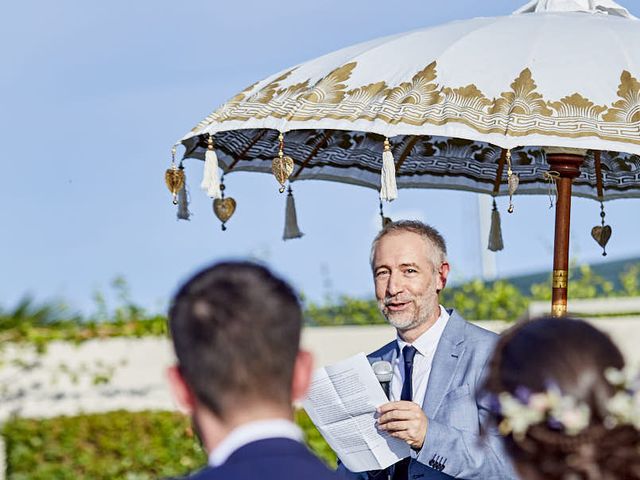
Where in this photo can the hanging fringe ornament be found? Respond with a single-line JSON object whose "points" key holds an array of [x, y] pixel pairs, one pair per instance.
{"points": [[512, 182], [388, 189], [601, 233], [291, 229], [384, 220], [495, 242], [552, 177], [223, 207], [282, 166], [183, 199], [495, 232], [211, 177], [173, 177]]}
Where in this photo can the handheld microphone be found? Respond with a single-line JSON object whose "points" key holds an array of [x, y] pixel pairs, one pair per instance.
{"points": [[384, 372]]}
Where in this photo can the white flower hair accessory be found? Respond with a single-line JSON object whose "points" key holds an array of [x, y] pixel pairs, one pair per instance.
{"points": [[624, 407], [564, 413]]}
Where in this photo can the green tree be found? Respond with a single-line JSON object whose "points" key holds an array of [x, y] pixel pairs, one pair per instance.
{"points": [[583, 283], [630, 281], [478, 300], [345, 311]]}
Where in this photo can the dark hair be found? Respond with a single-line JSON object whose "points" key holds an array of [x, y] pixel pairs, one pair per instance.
{"points": [[571, 355], [236, 332], [430, 235]]}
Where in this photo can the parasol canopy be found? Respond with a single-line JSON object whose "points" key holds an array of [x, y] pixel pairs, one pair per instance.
{"points": [[554, 73], [480, 105]]}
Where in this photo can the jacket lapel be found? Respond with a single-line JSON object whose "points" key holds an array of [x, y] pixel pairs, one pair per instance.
{"points": [[387, 353], [445, 362]]}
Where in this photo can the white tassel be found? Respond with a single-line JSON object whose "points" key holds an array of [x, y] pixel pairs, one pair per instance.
{"points": [[388, 189], [183, 204], [211, 177], [291, 229], [204, 185], [495, 232]]}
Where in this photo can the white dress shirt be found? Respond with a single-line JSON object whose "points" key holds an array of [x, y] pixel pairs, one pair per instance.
{"points": [[251, 432], [425, 345]]}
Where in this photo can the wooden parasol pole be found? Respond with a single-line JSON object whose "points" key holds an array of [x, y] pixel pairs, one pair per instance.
{"points": [[568, 167]]}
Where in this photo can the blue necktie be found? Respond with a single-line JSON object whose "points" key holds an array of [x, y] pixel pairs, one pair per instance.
{"points": [[401, 471], [408, 352]]}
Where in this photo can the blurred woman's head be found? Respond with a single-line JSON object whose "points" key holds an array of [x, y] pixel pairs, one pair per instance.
{"points": [[559, 399]]}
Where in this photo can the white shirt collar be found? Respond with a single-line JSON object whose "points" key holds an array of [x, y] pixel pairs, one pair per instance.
{"points": [[426, 343], [252, 432]]}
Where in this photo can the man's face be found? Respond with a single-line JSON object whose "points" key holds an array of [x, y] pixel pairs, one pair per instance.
{"points": [[406, 280]]}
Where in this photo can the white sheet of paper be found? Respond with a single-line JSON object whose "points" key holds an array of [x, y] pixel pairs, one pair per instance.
{"points": [[342, 404]]}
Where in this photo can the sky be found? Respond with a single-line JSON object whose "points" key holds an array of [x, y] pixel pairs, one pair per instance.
{"points": [[94, 94]]}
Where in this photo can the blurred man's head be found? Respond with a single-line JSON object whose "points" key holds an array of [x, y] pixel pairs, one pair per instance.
{"points": [[409, 263], [236, 332]]}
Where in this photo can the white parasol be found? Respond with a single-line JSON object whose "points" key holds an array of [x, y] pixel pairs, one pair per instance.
{"points": [[468, 105]]}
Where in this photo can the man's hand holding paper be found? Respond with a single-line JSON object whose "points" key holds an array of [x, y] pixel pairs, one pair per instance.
{"points": [[342, 402], [404, 420]]}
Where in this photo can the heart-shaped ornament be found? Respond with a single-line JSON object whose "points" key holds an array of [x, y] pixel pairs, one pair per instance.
{"points": [[512, 183], [174, 179], [601, 234], [224, 208], [282, 168]]}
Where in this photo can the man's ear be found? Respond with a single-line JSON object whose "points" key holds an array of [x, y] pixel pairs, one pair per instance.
{"points": [[302, 372], [181, 391], [443, 273]]}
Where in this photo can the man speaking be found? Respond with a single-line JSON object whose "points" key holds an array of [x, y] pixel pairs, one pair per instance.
{"points": [[438, 360]]}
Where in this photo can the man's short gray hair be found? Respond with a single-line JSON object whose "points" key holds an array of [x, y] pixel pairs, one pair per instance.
{"points": [[430, 235]]}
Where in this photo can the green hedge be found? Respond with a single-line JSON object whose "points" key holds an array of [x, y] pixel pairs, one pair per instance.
{"points": [[116, 445], [39, 324]]}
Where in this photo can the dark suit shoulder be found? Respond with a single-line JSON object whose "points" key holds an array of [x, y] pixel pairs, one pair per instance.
{"points": [[204, 474], [274, 469], [269, 460]]}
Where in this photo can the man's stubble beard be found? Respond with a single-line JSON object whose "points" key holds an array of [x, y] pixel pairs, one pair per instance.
{"points": [[420, 316]]}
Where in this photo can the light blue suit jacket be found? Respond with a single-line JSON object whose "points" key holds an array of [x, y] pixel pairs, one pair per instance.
{"points": [[453, 446]]}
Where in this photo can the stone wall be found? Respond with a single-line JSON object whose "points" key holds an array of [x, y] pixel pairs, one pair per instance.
{"points": [[123, 373]]}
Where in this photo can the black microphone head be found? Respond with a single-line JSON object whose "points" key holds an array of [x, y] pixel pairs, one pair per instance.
{"points": [[383, 371]]}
